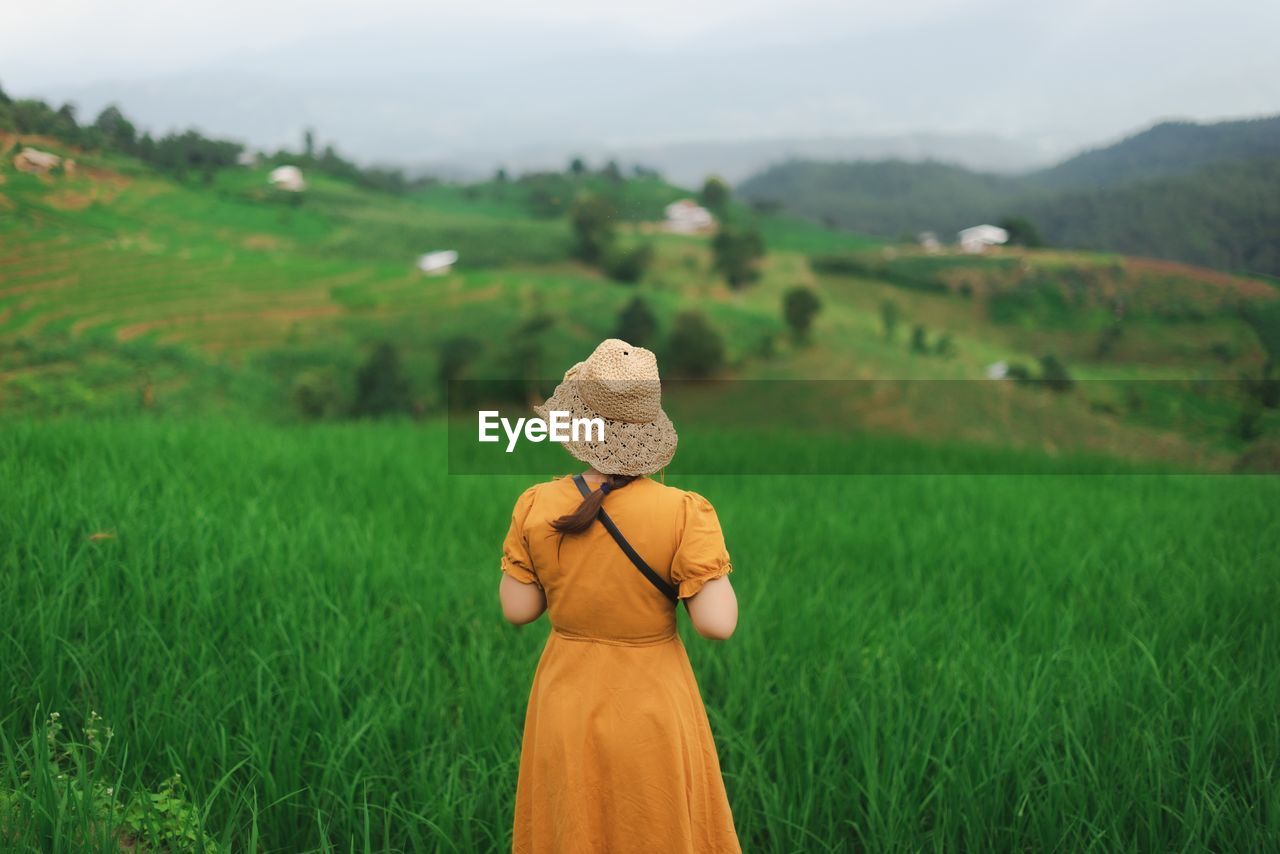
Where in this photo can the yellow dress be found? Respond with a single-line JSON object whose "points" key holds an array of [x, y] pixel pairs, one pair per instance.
{"points": [[618, 754]]}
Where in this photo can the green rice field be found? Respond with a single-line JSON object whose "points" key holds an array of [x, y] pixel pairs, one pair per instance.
{"points": [[302, 622]]}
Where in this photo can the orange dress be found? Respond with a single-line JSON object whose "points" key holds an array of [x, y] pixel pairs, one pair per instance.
{"points": [[617, 754]]}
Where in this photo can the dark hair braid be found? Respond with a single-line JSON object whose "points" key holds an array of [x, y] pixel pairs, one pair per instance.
{"points": [[579, 520]]}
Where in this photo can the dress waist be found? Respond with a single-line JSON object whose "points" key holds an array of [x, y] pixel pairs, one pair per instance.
{"points": [[574, 636]]}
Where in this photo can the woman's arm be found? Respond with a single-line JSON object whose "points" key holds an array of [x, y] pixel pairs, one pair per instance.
{"points": [[521, 603], [714, 609]]}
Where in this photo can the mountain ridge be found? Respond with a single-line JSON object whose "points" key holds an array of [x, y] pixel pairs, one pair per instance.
{"points": [[1183, 191]]}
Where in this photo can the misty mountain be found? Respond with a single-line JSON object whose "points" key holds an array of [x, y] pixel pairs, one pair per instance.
{"points": [[1204, 194], [1169, 148], [689, 163]]}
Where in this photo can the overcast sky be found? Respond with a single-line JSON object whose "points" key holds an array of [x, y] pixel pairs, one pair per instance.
{"points": [[395, 80], [80, 40]]}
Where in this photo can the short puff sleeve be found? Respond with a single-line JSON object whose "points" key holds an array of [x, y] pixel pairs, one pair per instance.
{"points": [[516, 561], [701, 555]]}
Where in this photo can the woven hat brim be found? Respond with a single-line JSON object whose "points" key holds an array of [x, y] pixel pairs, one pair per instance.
{"points": [[630, 449]]}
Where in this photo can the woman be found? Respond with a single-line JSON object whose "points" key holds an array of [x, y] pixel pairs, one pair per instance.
{"points": [[617, 753]]}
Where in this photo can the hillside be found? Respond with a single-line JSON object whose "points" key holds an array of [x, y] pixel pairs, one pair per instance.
{"points": [[123, 290], [1168, 149], [1201, 194]]}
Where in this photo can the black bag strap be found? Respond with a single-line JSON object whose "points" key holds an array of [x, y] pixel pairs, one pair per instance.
{"points": [[670, 591]]}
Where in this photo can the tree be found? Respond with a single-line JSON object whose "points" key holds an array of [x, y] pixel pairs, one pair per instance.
{"points": [[456, 355], [1022, 232], [1054, 374], [800, 306], [694, 348], [945, 345], [715, 195], [612, 172], [736, 251], [526, 351], [577, 166], [309, 144], [317, 393], [889, 316], [117, 131], [637, 323], [1264, 319], [628, 265], [592, 217], [919, 339], [381, 385]]}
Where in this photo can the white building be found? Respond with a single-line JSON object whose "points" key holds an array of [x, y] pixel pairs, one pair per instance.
{"points": [[287, 178], [980, 238], [929, 242], [247, 158], [997, 370], [688, 217], [437, 263]]}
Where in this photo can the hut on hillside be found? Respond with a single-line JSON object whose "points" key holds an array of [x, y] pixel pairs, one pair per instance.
{"points": [[437, 263], [36, 161], [287, 178], [980, 238], [929, 242], [688, 217]]}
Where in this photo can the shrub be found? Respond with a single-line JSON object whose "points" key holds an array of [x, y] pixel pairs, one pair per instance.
{"points": [[945, 346], [736, 252], [381, 385], [592, 217], [1262, 457], [65, 788], [456, 355], [628, 265], [1022, 232], [1248, 425], [1018, 372], [318, 394], [1265, 387], [715, 195], [919, 339], [695, 349], [1054, 374], [799, 307], [637, 323], [1108, 338], [889, 316]]}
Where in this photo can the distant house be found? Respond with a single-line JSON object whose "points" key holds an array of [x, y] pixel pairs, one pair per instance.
{"points": [[247, 158], [688, 217], [437, 263], [929, 241], [980, 238], [36, 161], [997, 370], [287, 178]]}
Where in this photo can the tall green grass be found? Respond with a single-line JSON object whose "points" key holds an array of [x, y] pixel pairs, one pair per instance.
{"points": [[303, 623]]}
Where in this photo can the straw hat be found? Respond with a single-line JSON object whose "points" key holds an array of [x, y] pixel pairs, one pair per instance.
{"points": [[619, 384]]}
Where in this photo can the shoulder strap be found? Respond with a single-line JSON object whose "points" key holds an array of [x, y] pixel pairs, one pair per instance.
{"points": [[670, 591]]}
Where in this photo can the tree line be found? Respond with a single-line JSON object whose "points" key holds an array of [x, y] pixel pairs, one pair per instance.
{"points": [[184, 155]]}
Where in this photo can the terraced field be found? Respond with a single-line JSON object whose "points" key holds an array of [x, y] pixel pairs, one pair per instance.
{"points": [[119, 288]]}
